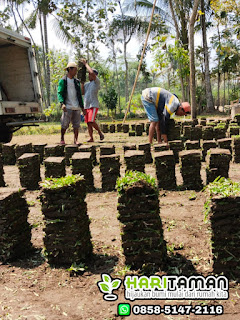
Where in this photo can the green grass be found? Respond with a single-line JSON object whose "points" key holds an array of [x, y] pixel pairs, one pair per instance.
{"points": [[55, 183]]}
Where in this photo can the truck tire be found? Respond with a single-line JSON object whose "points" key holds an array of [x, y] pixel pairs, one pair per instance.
{"points": [[5, 134]]}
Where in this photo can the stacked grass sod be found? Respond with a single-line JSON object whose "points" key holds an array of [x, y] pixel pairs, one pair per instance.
{"points": [[146, 147], [225, 143], [187, 132], [29, 170], [196, 133], [207, 133], [139, 130], [112, 128], [82, 164], [134, 160], [54, 150], [110, 171], [125, 128], [219, 132], [233, 130], [161, 147], [237, 118], [147, 128], [202, 122], [15, 231], [22, 148], [141, 227], [176, 146], [119, 127], [2, 182], [174, 130], [190, 167], [104, 127], [206, 145], [192, 145], [67, 237], [107, 149], [69, 150], [218, 161], [223, 215], [8, 153], [132, 133], [236, 148], [133, 127], [92, 149], [165, 169], [55, 167], [129, 146], [39, 148]]}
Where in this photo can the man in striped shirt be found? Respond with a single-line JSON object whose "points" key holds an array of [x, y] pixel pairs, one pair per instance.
{"points": [[159, 105]]}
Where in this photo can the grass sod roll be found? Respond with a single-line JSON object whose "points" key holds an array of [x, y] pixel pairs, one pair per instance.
{"points": [[89, 148], [134, 160], [55, 167], [192, 145], [207, 133], [146, 147], [107, 149], [165, 169], [225, 143], [22, 148], [69, 150], [206, 145], [176, 146], [8, 153], [110, 171], [67, 235], [141, 232], [39, 148], [15, 231], [218, 161]]}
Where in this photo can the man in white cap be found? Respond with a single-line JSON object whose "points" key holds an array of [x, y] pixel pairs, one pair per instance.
{"points": [[70, 97], [159, 105], [91, 103]]}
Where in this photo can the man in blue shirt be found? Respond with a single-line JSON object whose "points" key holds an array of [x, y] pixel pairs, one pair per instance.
{"points": [[159, 105]]}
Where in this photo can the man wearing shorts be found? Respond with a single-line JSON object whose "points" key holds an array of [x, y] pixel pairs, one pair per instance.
{"points": [[159, 105], [91, 103], [70, 97]]}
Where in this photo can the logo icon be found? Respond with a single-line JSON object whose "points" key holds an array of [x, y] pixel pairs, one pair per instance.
{"points": [[107, 286], [124, 309]]}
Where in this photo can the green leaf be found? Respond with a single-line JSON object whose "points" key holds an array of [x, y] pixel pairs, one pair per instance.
{"points": [[104, 287], [116, 283], [106, 278]]}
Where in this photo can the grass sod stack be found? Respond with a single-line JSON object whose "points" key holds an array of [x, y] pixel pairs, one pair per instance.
{"points": [[15, 231], [219, 132], [165, 169], [207, 133], [225, 144], [202, 121], [237, 118], [55, 167], [206, 145], [141, 226], [190, 167], [39, 148], [187, 132], [196, 133], [146, 147], [54, 150], [67, 236], [125, 128], [233, 130], [82, 164], [8, 153], [107, 149], [119, 127], [129, 146], [174, 130], [104, 127], [2, 182], [139, 130], [192, 145], [69, 151], [176, 146], [161, 147], [110, 171], [223, 215], [147, 128], [218, 161], [22, 148], [134, 160], [112, 128], [133, 127], [92, 149], [29, 170], [132, 133], [236, 149]]}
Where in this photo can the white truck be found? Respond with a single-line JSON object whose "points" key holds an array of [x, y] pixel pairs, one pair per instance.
{"points": [[20, 91]]}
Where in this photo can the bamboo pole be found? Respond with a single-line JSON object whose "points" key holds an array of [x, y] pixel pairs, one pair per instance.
{"points": [[140, 63]]}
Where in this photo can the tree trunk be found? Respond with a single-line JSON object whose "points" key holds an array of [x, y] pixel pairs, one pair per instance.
{"points": [[47, 59], [43, 54], [224, 88], [208, 88], [192, 59]]}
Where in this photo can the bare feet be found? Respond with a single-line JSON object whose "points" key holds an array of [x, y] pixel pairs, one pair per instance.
{"points": [[62, 142], [90, 140]]}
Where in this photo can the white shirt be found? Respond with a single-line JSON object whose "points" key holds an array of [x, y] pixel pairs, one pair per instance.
{"points": [[71, 99], [91, 94]]}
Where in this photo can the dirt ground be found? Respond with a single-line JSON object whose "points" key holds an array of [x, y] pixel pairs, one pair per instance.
{"points": [[30, 289]]}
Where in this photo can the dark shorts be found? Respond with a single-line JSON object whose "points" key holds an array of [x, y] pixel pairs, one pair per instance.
{"points": [[73, 116]]}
